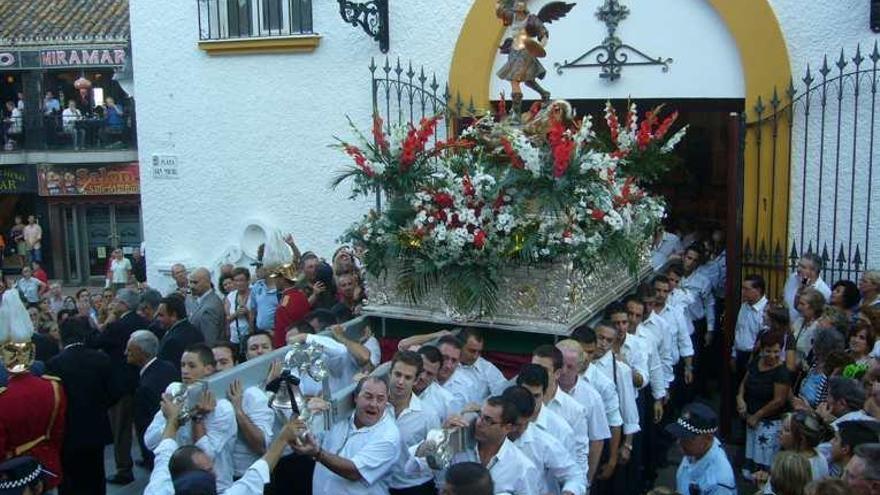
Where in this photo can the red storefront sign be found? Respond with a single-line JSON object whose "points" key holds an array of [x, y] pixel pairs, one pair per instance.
{"points": [[88, 180]]}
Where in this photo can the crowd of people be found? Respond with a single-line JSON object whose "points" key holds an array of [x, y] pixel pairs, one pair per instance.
{"points": [[595, 412]]}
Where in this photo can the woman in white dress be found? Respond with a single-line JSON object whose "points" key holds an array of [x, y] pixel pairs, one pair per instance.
{"points": [[810, 305]]}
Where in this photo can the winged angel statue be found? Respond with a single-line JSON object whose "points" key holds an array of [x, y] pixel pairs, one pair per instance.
{"points": [[524, 44]]}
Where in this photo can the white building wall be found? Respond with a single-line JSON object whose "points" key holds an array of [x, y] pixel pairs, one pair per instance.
{"points": [[251, 131]]}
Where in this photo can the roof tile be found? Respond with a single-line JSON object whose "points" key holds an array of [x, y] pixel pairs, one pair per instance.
{"points": [[44, 22]]}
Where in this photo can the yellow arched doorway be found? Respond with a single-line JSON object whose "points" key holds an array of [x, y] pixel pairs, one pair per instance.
{"points": [[765, 64]]}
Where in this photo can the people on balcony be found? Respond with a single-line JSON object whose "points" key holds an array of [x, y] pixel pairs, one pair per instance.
{"points": [[12, 125], [69, 118], [51, 105]]}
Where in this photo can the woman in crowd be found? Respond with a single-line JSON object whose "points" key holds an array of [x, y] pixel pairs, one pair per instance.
{"points": [[762, 400], [226, 284], [861, 341], [790, 474], [777, 320], [828, 487], [801, 432], [869, 286], [810, 306], [827, 348], [237, 302], [344, 261], [845, 296]]}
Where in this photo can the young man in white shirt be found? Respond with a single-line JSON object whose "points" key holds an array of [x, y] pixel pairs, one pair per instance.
{"points": [[551, 359], [559, 472], [749, 322], [194, 470], [682, 347], [357, 454], [212, 427], [435, 397], [620, 373], [252, 413], [414, 420], [511, 470]]}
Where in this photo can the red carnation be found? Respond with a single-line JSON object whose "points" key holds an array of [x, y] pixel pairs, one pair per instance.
{"points": [[479, 239], [597, 214], [443, 200]]}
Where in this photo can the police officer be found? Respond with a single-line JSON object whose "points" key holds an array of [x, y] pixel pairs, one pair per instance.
{"points": [[24, 475], [705, 469]]}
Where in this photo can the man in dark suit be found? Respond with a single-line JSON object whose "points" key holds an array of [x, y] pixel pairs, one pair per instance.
{"points": [[205, 307], [149, 310], [179, 332], [86, 375], [155, 375], [112, 341]]}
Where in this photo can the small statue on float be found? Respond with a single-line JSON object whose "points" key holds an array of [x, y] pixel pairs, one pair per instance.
{"points": [[524, 44]]}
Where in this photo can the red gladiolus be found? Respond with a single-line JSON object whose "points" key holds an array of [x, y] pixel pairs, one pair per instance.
{"points": [[643, 139], [479, 239], [378, 134], [664, 127], [359, 159], [515, 160], [613, 124], [499, 201], [562, 147], [597, 215], [502, 108]]}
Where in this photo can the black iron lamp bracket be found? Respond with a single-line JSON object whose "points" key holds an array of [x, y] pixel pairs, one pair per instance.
{"points": [[371, 16], [612, 55]]}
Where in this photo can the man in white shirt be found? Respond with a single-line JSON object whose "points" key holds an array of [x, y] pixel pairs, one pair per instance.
{"points": [[749, 323], [253, 416], [807, 274], [194, 469], [212, 426], [511, 470], [620, 373], [414, 420], [682, 347], [435, 397], [534, 378], [560, 473], [665, 245], [473, 378], [572, 382], [551, 359], [356, 455]]}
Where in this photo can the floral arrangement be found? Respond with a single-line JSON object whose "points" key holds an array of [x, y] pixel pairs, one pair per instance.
{"points": [[504, 194]]}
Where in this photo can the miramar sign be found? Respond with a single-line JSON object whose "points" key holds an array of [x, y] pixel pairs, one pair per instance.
{"points": [[63, 58]]}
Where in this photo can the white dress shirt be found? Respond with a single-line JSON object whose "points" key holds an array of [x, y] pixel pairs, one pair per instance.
{"points": [[576, 417], [253, 481], [511, 470], [625, 389], [681, 298], [553, 461], [681, 345], [668, 245], [607, 392], [441, 401], [790, 292], [653, 329], [588, 397], [414, 422], [474, 383], [220, 428], [749, 322], [372, 449], [634, 352], [704, 299], [255, 405]]}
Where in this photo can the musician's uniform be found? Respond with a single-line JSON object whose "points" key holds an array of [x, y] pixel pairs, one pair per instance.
{"points": [[221, 430], [294, 306], [32, 412]]}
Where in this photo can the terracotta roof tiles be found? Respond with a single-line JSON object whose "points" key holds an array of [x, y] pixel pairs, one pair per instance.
{"points": [[52, 22]]}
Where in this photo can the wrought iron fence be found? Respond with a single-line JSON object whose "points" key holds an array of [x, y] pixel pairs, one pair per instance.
{"points": [[823, 128], [232, 19], [402, 96]]}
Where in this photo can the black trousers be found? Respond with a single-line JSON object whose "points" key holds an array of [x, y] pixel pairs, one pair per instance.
{"points": [[293, 474], [83, 471], [428, 488], [617, 483]]}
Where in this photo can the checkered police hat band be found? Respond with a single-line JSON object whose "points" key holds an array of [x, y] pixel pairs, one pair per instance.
{"points": [[693, 429]]}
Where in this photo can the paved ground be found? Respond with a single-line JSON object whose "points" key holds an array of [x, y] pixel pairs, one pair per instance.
{"points": [[141, 475]]}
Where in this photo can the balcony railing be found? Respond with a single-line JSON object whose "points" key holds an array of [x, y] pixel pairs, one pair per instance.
{"points": [[237, 19], [38, 131]]}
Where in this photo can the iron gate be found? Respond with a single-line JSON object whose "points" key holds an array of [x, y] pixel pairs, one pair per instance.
{"points": [[814, 150]]}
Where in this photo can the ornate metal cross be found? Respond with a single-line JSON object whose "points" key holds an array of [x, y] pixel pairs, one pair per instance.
{"points": [[612, 54]]}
